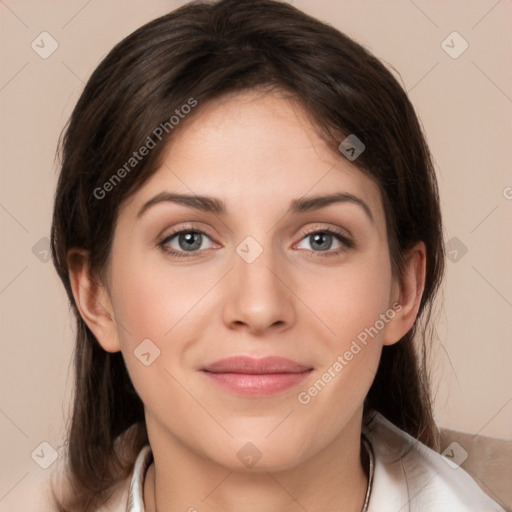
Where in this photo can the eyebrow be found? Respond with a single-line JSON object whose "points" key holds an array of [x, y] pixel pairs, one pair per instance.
{"points": [[216, 206]]}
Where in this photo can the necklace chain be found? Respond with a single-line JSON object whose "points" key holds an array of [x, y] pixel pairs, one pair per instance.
{"points": [[371, 463]]}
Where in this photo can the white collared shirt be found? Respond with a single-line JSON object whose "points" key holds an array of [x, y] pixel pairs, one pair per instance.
{"points": [[408, 477]]}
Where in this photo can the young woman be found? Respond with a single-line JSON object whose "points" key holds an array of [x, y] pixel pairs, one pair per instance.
{"points": [[247, 226]]}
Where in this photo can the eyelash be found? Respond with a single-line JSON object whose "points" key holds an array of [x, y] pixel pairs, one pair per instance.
{"points": [[346, 242]]}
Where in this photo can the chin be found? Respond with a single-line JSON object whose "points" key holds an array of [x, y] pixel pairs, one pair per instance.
{"points": [[252, 455]]}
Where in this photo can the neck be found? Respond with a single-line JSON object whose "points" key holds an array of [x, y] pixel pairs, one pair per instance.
{"points": [[181, 480]]}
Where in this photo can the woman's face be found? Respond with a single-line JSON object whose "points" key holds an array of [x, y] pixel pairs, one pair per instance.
{"points": [[269, 273]]}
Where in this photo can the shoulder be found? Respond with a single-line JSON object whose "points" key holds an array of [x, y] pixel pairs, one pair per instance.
{"points": [[410, 476]]}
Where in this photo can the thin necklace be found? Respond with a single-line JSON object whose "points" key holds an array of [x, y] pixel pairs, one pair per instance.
{"points": [[371, 464]]}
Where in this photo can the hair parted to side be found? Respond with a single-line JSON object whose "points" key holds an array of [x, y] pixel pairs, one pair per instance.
{"points": [[205, 50]]}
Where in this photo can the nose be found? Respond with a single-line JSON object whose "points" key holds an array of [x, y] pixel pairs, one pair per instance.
{"points": [[257, 297]]}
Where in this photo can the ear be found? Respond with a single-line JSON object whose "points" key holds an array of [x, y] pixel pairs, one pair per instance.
{"points": [[92, 300], [406, 295]]}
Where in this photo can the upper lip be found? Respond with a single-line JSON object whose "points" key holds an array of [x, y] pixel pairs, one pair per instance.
{"points": [[261, 366]]}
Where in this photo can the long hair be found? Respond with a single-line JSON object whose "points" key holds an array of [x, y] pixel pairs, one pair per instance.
{"points": [[205, 50]]}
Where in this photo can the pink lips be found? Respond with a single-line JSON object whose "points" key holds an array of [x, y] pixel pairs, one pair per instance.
{"points": [[256, 377]]}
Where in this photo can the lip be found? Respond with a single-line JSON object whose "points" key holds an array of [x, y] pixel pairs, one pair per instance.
{"points": [[244, 375]]}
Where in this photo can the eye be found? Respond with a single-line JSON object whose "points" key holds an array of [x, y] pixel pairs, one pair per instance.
{"points": [[323, 241], [191, 241], [185, 240]]}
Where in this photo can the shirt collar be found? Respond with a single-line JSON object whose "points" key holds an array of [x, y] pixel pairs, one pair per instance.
{"points": [[135, 496]]}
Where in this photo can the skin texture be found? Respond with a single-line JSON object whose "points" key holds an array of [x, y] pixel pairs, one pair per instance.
{"points": [[256, 152]]}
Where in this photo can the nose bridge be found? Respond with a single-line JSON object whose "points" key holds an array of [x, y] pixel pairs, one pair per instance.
{"points": [[255, 267], [257, 296]]}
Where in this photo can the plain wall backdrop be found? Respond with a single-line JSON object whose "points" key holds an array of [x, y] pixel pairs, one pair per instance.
{"points": [[463, 97]]}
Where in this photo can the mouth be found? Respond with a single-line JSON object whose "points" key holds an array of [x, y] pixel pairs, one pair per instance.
{"points": [[256, 377]]}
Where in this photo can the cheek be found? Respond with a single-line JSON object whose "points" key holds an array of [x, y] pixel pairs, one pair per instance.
{"points": [[350, 300], [151, 301], [160, 313], [350, 303]]}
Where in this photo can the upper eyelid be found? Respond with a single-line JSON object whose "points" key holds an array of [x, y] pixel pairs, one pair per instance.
{"points": [[333, 229], [185, 229], [308, 231]]}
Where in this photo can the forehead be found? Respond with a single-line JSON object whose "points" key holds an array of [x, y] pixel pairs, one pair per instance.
{"points": [[254, 150]]}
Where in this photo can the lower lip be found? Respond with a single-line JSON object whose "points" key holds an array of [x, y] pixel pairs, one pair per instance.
{"points": [[257, 385]]}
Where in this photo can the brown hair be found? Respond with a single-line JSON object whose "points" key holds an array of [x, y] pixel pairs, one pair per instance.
{"points": [[204, 50]]}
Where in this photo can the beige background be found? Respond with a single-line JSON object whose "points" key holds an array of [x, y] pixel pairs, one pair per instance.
{"points": [[465, 105]]}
